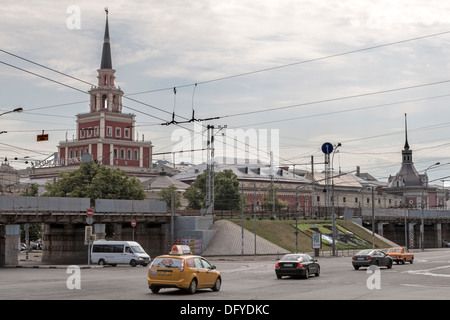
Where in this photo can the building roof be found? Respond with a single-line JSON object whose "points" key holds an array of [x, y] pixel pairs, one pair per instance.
{"points": [[162, 182], [258, 172]]}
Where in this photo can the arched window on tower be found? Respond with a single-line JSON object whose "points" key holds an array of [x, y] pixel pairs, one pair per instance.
{"points": [[104, 101]]}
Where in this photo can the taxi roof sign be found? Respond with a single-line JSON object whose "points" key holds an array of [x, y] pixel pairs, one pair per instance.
{"points": [[180, 249]]}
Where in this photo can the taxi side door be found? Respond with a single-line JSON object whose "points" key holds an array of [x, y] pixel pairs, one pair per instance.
{"points": [[205, 278]]}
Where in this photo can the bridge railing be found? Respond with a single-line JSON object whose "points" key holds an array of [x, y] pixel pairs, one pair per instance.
{"points": [[33, 204]]}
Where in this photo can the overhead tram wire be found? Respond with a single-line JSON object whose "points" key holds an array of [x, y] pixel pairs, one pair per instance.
{"points": [[241, 74], [253, 72], [299, 62], [266, 110], [85, 92], [343, 111]]}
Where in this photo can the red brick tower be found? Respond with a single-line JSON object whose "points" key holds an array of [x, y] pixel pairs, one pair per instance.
{"points": [[105, 134]]}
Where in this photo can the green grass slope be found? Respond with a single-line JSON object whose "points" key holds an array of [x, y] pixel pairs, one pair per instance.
{"points": [[282, 233]]}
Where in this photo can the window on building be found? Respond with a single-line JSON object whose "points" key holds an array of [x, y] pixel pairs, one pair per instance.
{"points": [[109, 131], [122, 154], [129, 154], [356, 200], [115, 154], [343, 199], [118, 132], [136, 155], [104, 101], [318, 198], [126, 133]]}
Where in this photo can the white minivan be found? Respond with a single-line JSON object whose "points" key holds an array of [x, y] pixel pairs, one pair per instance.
{"points": [[118, 252]]}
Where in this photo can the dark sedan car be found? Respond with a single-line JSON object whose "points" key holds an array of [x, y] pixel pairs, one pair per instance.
{"points": [[369, 257], [297, 265]]}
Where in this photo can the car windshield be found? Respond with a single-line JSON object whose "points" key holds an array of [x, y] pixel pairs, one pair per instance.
{"points": [[364, 252], [294, 257], [394, 250], [138, 249], [167, 262]]}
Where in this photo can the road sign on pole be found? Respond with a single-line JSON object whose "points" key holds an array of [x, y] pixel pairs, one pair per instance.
{"points": [[133, 224], [90, 212]]}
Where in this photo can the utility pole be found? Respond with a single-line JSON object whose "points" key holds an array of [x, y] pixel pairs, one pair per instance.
{"points": [[210, 170]]}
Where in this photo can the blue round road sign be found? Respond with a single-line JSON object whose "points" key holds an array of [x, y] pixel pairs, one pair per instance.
{"points": [[327, 148]]}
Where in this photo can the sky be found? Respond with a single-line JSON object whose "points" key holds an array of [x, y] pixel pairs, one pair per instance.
{"points": [[288, 76]]}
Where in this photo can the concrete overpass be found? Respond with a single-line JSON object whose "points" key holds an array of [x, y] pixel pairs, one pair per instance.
{"points": [[64, 222], [404, 226]]}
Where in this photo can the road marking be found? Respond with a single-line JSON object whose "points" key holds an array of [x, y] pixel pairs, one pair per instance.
{"points": [[430, 272]]}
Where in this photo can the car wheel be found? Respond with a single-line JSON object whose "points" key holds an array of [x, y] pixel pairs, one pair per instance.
{"points": [[356, 267], [389, 265], [306, 276], [101, 262], [192, 287], [318, 272], [154, 289], [217, 284], [411, 261], [133, 263]]}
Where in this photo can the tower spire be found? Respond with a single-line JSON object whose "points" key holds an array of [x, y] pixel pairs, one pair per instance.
{"points": [[406, 134], [106, 52]]}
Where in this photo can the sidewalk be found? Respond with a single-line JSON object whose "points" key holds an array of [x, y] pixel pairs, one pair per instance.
{"points": [[34, 261]]}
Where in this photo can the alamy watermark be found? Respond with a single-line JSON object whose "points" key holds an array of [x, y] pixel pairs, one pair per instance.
{"points": [[74, 280], [374, 280], [226, 146], [74, 19]]}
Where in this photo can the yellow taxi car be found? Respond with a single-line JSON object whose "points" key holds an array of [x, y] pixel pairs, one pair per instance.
{"points": [[183, 270]]}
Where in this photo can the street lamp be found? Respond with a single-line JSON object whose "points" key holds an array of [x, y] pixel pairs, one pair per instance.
{"points": [[14, 110], [422, 226]]}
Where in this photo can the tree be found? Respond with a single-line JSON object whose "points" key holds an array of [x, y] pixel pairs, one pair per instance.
{"points": [[226, 191], [279, 204], [95, 181], [166, 195]]}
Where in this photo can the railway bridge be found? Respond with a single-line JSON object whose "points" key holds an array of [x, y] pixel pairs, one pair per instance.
{"points": [[65, 220], [405, 227]]}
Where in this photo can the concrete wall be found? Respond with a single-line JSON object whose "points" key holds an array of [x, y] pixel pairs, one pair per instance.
{"points": [[196, 227]]}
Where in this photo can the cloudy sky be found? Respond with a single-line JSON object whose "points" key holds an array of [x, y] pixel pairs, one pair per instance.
{"points": [[289, 74]]}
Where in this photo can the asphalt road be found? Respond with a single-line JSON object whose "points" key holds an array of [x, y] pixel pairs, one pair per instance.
{"points": [[244, 279]]}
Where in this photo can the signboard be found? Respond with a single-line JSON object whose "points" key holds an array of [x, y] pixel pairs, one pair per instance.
{"points": [[133, 223], [90, 212], [42, 137], [316, 240]]}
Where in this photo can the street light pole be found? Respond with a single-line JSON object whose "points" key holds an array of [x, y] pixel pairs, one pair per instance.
{"points": [[333, 218], [422, 225]]}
